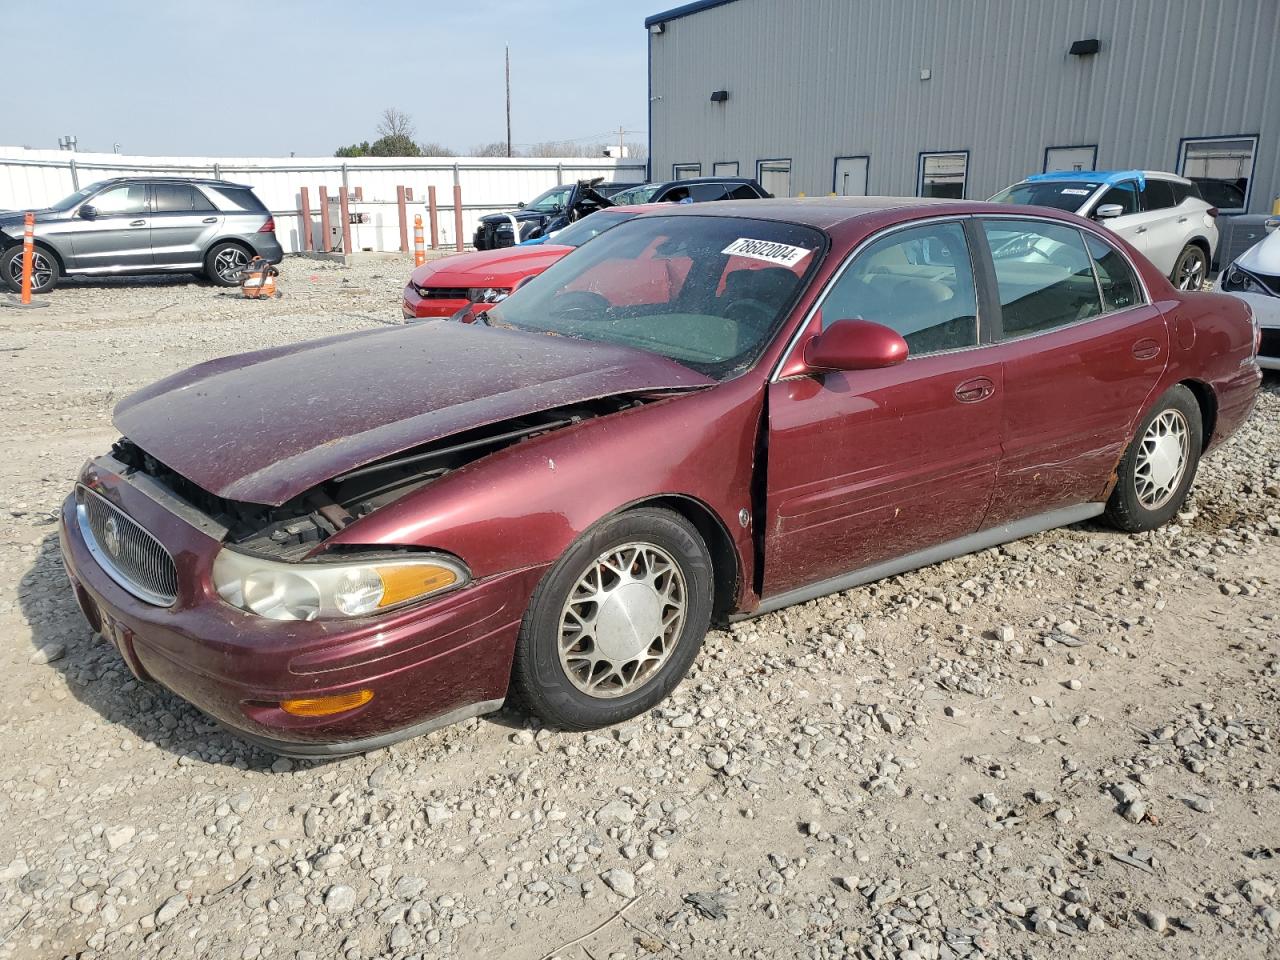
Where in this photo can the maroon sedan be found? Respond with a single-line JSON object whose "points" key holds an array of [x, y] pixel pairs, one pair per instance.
{"points": [[333, 545]]}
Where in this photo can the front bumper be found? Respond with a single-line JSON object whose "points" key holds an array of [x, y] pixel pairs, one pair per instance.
{"points": [[1267, 312], [413, 306], [428, 665]]}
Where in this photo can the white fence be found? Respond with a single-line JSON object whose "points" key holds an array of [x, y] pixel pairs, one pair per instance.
{"points": [[30, 179]]}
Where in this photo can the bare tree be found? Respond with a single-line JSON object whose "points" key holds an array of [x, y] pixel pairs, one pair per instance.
{"points": [[495, 149], [637, 151], [432, 149], [557, 148], [395, 123]]}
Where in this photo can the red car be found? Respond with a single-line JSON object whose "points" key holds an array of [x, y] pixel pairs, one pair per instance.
{"points": [[333, 545], [440, 288]]}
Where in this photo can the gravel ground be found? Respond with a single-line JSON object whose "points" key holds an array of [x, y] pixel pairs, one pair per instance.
{"points": [[1062, 747]]}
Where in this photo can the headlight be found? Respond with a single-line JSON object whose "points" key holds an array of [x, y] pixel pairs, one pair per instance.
{"points": [[487, 294], [325, 591], [1241, 281]]}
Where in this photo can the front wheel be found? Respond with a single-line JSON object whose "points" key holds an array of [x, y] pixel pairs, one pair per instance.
{"points": [[1159, 465], [1191, 268], [44, 269], [616, 623], [224, 264]]}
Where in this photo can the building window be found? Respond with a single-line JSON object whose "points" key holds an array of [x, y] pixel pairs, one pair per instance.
{"points": [[725, 168], [943, 174], [775, 177], [685, 171], [1222, 167], [1071, 158]]}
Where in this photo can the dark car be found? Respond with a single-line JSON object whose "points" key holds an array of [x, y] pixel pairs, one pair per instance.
{"points": [[705, 413], [551, 210], [693, 190], [136, 225], [1224, 194]]}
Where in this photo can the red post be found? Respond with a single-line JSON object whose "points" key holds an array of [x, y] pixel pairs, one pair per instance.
{"points": [[404, 220], [419, 254], [304, 220], [345, 212], [432, 213], [358, 194], [457, 215], [28, 253], [408, 194], [325, 245]]}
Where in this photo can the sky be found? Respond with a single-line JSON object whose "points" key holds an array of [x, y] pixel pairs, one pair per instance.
{"points": [[237, 78]]}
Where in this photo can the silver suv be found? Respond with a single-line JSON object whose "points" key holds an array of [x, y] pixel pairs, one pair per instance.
{"points": [[132, 225]]}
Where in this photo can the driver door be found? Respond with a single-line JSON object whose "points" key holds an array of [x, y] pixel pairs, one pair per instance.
{"points": [[119, 233], [872, 465]]}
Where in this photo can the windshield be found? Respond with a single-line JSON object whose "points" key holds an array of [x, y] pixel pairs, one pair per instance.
{"points": [[66, 203], [576, 234], [556, 197], [1059, 194], [641, 194], [708, 292]]}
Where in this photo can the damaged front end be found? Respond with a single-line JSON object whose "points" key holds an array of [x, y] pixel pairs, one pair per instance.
{"points": [[295, 530]]}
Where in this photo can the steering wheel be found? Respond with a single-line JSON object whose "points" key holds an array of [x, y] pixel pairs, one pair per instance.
{"points": [[580, 305], [1020, 245], [750, 313]]}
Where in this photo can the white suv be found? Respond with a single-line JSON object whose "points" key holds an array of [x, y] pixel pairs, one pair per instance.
{"points": [[1161, 214]]}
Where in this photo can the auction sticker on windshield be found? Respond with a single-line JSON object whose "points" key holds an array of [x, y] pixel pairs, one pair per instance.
{"points": [[769, 251]]}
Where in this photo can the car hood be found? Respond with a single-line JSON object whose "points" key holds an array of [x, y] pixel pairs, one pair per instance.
{"points": [[266, 426], [1263, 257], [14, 218], [487, 267]]}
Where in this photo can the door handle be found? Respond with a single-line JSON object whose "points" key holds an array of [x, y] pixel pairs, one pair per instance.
{"points": [[1183, 219], [975, 390], [137, 223], [209, 220], [1145, 349], [1141, 230]]}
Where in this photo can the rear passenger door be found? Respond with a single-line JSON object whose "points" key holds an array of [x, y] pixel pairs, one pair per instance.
{"points": [[1081, 351], [183, 221], [1166, 236]]}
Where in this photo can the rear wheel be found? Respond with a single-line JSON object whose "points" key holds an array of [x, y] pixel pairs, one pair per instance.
{"points": [[225, 262], [1159, 465], [616, 623], [44, 269], [1191, 268]]}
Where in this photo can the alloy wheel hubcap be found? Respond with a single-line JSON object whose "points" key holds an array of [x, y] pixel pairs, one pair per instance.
{"points": [[40, 270], [229, 263], [1191, 276], [1162, 459], [622, 620]]}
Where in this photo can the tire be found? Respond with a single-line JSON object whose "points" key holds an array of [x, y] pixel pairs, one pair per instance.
{"points": [[1149, 489], [1190, 269], [224, 262], [44, 272], [628, 678]]}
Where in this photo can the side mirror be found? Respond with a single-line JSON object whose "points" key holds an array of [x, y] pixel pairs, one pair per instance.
{"points": [[855, 345], [88, 212], [1107, 211], [520, 205]]}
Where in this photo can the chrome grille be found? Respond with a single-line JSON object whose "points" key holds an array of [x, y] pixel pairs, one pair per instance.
{"points": [[128, 554]]}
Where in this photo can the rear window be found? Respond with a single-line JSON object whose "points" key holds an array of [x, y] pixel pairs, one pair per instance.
{"points": [[1058, 194]]}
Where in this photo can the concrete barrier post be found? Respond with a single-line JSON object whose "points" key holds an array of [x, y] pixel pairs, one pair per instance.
{"points": [[457, 215], [344, 211], [404, 221], [304, 220], [433, 213], [325, 245]]}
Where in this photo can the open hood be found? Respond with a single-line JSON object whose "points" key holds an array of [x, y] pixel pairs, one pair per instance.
{"points": [[266, 426]]}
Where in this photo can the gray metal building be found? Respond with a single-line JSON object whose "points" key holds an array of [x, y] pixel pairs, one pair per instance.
{"points": [[964, 97]]}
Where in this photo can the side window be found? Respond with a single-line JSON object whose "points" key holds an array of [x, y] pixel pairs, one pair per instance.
{"points": [[128, 198], [1157, 195], [177, 198], [1043, 274], [744, 191], [1125, 194], [919, 282], [1181, 191], [1115, 276], [701, 192]]}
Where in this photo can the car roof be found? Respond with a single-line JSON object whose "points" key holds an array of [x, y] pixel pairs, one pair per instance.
{"points": [[1104, 177], [208, 181], [821, 212]]}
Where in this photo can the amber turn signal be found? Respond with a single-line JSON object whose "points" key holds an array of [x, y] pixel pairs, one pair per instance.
{"points": [[324, 706]]}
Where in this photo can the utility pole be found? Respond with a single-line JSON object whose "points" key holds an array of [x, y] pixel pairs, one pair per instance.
{"points": [[508, 100], [622, 147]]}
